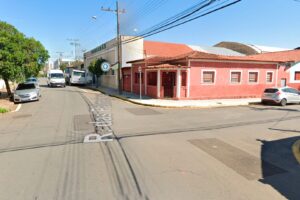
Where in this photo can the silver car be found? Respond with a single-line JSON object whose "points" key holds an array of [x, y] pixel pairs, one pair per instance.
{"points": [[33, 80], [281, 96], [26, 92]]}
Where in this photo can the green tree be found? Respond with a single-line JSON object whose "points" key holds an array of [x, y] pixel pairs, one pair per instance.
{"points": [[63, 66], [20, 57], [95, 68]]}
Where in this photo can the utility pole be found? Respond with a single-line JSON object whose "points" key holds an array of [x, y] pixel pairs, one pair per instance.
{"points": [[119, 41], [60, 53], [76, 44]]}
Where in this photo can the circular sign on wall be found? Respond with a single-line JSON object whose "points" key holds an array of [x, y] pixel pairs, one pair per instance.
{"points": [[105, 66]]}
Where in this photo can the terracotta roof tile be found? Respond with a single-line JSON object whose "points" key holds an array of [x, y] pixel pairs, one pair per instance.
{"points": [[284, 56], [164, 49]]}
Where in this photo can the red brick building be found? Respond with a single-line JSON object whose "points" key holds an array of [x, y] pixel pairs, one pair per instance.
{"points": [[198, 75]]}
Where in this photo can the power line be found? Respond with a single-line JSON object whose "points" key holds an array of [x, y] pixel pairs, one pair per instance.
{"points": [[133, 19], [167, 27], [181, 16]]}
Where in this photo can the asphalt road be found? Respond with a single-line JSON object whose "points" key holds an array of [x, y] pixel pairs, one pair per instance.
{"points": [[222, 153]]}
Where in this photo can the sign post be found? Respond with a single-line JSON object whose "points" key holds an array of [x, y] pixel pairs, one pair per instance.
{"points": [[140, 76]]}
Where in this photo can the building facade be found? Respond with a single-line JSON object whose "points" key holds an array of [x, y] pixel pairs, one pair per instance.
{"points": [[138, 48], [200, 75], [109, 52]]}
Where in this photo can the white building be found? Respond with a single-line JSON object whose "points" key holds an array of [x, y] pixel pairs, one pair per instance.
{"points": [[109, 52], [59, 61]]}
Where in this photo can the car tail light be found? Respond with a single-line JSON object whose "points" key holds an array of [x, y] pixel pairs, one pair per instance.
{"points": [[278, 93]]}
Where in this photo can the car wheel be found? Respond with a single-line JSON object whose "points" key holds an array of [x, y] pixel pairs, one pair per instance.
{"points": [[263, 102], [283, 102]]}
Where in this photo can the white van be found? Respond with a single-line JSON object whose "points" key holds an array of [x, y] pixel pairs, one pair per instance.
{"points": [[75, 76], [56, 78]]}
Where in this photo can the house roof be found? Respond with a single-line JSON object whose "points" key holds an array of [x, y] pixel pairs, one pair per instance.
{"points": [[204, 56], [284, 56], [164, 49], [216, 50], [208, 56], [249, 49]]}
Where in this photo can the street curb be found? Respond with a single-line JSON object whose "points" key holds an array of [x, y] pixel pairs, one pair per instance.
{"points": [[18, 108], [159, 106], [128, 100], [296, 150]]}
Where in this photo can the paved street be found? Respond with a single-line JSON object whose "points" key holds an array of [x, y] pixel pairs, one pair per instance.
{"points": [[221, 153]]}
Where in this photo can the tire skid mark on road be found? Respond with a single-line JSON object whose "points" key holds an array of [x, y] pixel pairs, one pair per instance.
{"points": [[206, 128], [50, 152], [123, 171], [64, 175]]}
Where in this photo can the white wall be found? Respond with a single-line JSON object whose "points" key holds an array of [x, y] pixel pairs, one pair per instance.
{"points": [[110, 81], [292, 71], [132, 51], [2, 84]]}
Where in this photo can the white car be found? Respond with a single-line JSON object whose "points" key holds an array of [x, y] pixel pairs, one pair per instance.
{"points": [[26, 92], [281, 96]]}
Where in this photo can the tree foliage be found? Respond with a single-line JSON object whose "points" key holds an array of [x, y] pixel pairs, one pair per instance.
{"points": [[95, 67], [63, 66], [20, 56]]}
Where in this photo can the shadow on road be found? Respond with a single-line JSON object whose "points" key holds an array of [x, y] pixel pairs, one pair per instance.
{"points": [[274, 108], [279, 153]]}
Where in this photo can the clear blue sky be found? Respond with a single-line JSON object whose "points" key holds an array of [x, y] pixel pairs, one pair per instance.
{"points": [[264, 22]]}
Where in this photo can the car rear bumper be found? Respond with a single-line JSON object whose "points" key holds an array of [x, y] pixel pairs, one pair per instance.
{"points": [[267, 100], [57, 84]]}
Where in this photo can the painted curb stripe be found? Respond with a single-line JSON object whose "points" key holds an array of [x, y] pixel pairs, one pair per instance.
{"points": [[18, 108], [296, 150]]}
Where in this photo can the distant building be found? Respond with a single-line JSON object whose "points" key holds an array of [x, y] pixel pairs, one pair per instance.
{"points": [[248, 49], [58, 62]]}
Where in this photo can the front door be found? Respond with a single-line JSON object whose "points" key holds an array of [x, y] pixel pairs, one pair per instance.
{"points": [[283, 82], [168, 82]]}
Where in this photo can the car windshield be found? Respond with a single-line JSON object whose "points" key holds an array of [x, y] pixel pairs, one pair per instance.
{"points": [[57, 75], [25, 86], [82, 74], [31, 80], [271, 90]]}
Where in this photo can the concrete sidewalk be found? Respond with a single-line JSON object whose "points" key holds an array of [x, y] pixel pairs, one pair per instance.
{"points": [[148, 101]]}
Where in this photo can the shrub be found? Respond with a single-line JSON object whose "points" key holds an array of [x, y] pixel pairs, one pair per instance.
{"points": [[3, 110]]}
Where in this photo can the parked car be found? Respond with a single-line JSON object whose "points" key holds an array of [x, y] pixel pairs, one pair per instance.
{"points": [[33, 80], [26, 92], [281, 96]]}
